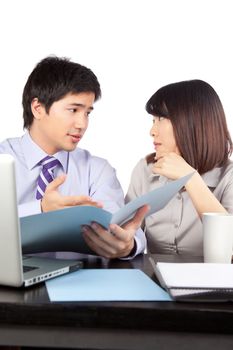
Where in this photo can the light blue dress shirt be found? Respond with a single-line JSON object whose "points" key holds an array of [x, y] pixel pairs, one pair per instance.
{"points": [[86, 175]]}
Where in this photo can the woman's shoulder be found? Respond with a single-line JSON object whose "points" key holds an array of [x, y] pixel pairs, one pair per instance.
{"points": [[142, 166], [219, 175], [141, 176], [229, 164], [228, 170]]}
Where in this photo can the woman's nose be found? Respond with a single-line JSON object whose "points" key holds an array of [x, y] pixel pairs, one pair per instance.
{"points": [[154, 130]]}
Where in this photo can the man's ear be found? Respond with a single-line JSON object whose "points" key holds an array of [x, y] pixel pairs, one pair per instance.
{"points": [[37, 108]]}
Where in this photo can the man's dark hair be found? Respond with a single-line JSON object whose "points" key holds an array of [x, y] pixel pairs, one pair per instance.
{"points": [[52, 79]]}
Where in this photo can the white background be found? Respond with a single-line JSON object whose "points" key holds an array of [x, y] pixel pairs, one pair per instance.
{"points": [[133, 46]]}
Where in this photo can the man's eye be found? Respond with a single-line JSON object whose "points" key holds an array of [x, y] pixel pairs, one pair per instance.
{"points": [[72, 110]]}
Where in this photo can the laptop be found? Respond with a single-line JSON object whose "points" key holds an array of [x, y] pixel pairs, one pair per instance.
{"points": [[17, 270]]}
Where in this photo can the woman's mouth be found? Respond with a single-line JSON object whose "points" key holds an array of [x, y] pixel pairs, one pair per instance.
{"points": [[156, 145]]}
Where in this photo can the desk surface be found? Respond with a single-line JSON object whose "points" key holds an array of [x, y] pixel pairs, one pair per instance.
{"points": [[27, 317]]}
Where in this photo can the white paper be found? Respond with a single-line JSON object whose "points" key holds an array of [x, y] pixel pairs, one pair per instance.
{"points": [[195, 275]]}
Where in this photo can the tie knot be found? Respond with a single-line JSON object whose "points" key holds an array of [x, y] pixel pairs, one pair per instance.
{"points": [[49, 162]]}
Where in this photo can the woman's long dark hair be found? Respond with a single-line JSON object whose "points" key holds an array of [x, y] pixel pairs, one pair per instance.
{"points": [[198, 121]]}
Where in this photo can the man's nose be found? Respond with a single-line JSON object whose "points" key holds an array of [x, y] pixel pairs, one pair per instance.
{"points": [[80, 121]]}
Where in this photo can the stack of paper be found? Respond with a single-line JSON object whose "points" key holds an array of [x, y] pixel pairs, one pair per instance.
{"points": [[196, 281]]}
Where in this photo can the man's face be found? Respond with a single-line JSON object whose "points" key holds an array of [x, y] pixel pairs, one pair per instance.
{"points": [[65, 124]]}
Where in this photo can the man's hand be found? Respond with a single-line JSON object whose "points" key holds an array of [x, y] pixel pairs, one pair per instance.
{"points": [[53, 200], [117, 242]]}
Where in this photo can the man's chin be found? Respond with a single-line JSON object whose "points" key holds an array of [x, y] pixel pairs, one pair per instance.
{"points": [[70, 148]]}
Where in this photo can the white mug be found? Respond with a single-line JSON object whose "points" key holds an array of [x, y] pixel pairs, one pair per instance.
{"points": [[217, 237]]}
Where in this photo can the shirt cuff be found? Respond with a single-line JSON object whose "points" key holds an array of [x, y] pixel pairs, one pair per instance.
{"points": [[139, 245], [29, 208]]}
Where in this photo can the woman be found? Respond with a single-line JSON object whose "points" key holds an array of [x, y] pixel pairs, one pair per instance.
{"points": [[189, 133]]}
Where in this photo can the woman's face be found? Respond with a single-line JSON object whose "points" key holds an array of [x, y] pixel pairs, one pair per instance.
{"points": [[163, 136]]}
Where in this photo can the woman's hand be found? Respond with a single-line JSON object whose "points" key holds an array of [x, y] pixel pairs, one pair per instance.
{"points": [[172, 165]]}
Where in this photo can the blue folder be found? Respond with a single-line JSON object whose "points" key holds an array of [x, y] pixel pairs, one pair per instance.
{"points": [[60, 230], [105, 285]]}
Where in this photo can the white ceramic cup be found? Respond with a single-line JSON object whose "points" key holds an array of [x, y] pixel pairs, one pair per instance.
{"points": [[217, 237]]}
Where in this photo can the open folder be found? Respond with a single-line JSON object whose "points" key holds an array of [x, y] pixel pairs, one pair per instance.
{"points": [[196, 281], [60, 230]]}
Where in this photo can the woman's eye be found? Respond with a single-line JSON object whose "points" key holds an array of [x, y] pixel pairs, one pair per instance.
{"points": [[72, 110], [88, 113], [158, 119]]}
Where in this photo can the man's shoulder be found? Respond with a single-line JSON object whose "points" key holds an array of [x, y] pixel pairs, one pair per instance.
{"points": [[96, 166], [84, 155], [10, 145]]}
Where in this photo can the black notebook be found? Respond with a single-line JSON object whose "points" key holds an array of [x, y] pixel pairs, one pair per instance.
{"points": [[196, 281]]}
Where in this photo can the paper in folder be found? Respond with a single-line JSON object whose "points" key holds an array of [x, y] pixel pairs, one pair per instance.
{"points": [[196, 281], [60, 230]]}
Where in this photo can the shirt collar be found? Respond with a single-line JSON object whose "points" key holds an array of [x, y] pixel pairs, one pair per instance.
{"points": [[153, 176], [33, 153]]}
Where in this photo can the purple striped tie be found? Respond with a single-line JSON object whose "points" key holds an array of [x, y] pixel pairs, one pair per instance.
{"points": [[46, 176]]}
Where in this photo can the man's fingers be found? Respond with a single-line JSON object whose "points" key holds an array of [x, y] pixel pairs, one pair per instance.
{"points": [[53, 186], [97, 243], [68, 201], [85, 200], [104, 243], [92, 204], [137, 219]]}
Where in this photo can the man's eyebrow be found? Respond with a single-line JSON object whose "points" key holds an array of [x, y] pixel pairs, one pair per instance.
{"points": [[81, 105]]}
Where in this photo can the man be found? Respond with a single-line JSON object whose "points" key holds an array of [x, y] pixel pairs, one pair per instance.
{"points": [[51, 172]]}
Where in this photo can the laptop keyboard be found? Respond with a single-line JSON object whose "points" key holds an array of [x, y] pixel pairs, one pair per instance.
{"points": [[29, 268]]}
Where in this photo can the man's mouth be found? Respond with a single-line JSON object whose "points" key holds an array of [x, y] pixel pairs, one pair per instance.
{"points": [[75, 137]]}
